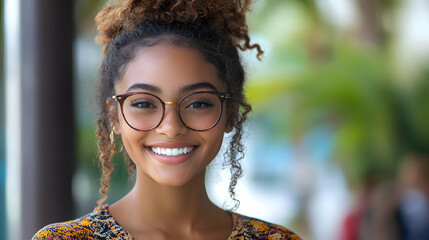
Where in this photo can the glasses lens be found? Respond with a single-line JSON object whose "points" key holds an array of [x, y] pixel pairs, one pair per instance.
{"points": [[200, 111], [142, 111]]}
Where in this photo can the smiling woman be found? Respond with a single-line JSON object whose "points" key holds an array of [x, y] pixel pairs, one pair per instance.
{"points": [[171, 85]]}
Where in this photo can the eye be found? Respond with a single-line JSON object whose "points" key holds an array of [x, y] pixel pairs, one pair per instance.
{"points": [[141, 103], [199, 104]]}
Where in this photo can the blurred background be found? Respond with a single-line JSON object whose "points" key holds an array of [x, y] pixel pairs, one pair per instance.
{"points": [[337, 143]]}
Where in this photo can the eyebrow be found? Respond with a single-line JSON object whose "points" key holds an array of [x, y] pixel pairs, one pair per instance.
{"points": [[155, 89], [198, 86], [144, 86]]}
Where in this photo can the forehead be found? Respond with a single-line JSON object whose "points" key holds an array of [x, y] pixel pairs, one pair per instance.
{"points": [[169, 68]]}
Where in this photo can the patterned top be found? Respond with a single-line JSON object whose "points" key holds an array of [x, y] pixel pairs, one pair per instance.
{"points": [[101, 225]]}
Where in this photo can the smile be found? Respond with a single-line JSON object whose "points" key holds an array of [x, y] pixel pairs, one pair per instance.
{"points": [[172, 151]]}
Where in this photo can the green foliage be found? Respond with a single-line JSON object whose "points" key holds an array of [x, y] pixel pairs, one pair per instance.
{"points": [[415, 114], [350, 92], [328, 78]]}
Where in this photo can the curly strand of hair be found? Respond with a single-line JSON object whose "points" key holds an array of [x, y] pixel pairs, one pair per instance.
{"points": [[247, 45], [236, 153], [106, 154]]}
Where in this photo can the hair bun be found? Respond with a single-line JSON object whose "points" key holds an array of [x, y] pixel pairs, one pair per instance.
{"points": [[226, 17]]}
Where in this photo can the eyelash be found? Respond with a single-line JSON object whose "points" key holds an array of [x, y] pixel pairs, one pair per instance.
{"points": [[200, 101], [140, 101]]}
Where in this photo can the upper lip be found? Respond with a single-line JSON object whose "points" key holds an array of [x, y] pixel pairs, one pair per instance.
{"points": [[171, 145]]}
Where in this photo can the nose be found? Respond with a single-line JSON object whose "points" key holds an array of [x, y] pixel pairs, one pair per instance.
{"points": [[171, 125]]}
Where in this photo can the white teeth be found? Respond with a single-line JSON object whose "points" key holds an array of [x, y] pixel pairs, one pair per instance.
{"points": [[172, 151]]}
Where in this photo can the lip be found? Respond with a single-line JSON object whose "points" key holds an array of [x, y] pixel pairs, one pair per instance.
{"points": [[171, 160], [172, 145]]}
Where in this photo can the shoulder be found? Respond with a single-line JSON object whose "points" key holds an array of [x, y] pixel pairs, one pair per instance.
{"points": [[76, 229], [252, 228], [90, 226]]}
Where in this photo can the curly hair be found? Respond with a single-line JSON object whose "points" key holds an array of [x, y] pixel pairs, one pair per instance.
{"points": [[217, 29]]}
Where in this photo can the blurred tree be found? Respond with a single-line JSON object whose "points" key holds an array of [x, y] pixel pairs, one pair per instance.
{"points": [[346, 82]]}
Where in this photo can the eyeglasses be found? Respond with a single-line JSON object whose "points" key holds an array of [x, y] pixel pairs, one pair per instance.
{"points": [[199, 111]]}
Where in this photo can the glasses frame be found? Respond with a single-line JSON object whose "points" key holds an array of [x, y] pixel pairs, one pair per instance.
{"points": [[122, 97]]}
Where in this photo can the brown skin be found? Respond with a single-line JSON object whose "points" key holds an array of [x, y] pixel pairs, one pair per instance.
{"points": [[169, 201]]}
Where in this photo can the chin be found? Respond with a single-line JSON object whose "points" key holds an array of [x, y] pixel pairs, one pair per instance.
{"points": [[173, 182], [173, 177]]}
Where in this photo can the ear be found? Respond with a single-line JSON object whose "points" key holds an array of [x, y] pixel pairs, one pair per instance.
{"points": [[112, 108], [228, 127], [230, 113]]}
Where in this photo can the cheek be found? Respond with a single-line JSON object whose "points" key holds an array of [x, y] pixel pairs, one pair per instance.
{"points": [[214, 139], [130, 137]]}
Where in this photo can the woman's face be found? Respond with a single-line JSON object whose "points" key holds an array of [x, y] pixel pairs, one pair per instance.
{"points": [[170, 72]]}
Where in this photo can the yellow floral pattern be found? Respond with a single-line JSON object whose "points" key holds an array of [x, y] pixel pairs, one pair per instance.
{"points": [[100, 225]]}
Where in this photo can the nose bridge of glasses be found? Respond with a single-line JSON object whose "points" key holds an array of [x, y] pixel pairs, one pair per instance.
{"points": [[172, 119], [174, 111]]}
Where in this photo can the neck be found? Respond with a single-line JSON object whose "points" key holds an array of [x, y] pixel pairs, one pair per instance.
{"points": [[167, 206]]}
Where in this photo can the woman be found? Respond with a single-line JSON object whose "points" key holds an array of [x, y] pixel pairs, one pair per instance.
{"points": [[171, 85]]}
